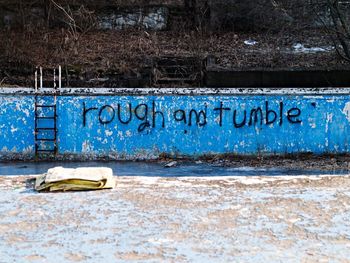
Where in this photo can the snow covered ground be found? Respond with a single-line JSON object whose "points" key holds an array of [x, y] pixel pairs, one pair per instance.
{"points": [[187, 219]]}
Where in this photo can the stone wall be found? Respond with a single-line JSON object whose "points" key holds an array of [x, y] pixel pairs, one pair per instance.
{"points": [[154, 18], [157, 15], [152, 15]]}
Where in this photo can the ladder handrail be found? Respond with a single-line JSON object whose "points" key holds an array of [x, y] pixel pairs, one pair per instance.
{"points": [[55, 88], [40, 106]]}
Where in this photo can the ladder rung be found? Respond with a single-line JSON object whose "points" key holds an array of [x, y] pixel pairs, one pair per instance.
{"points": [[45, 129], [46, 117], [37, 146], [48, 151], [44, 106]]}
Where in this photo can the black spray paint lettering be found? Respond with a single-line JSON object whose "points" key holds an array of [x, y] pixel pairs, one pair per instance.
{"points": [[106, 115], [255, 116], [141, 113], [221, 110], [180, 115], [128, 120], [270, 112], [85, 111], [239, 124], [109, 109], [258, 115], [198, 117], [292, 118], [153, 117]]}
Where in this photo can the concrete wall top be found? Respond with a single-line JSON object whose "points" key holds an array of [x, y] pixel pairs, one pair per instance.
{"points": [[176, 91]]}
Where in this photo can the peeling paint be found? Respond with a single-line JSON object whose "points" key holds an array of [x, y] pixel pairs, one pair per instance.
{"points": [[204, 124], [128, 133], [108, 133], [196, 91], [13, 129], [306, 130], [346, 111]]}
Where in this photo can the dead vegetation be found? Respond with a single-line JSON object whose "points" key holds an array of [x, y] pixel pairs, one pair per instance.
{"points": [[66, 34], [99, 54]]}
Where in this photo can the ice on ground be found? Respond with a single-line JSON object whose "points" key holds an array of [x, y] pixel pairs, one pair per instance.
{"points": [[187, 219]]}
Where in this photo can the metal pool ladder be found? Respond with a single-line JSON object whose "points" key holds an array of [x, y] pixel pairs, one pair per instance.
{"points": [[45, 127]]}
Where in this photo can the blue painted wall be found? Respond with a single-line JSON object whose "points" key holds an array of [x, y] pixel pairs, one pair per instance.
{"points": [[128, 127], [16, 126]]}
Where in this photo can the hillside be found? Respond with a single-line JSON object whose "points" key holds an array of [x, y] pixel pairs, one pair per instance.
{"points": [[109, 43]]}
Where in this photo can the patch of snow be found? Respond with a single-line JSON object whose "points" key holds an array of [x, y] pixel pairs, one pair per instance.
{"points": [[250, 42], [300, 48], [294, 220]]}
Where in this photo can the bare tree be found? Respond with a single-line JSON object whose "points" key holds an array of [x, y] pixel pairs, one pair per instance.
{"points": [[341, 27], [335, 17]]}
